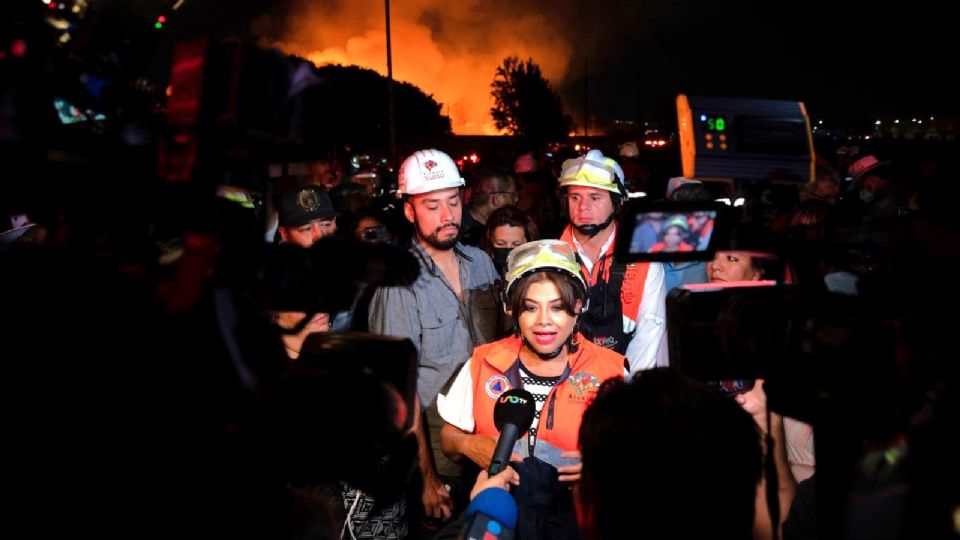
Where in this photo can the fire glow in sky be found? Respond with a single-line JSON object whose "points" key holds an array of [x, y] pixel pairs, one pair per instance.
{"points": [[448, 49]]}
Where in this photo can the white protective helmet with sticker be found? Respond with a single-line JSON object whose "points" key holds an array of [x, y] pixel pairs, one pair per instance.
{"points": [[428, 170]]}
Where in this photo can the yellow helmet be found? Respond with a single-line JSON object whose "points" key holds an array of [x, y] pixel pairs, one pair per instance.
{"points": [[542, 255], [679, 221], [595, 171]]}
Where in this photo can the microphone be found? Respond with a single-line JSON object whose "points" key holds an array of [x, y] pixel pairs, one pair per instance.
{"points": [[491, 515], [512, 415]]}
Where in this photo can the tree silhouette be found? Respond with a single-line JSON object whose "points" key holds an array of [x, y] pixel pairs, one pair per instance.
{"points": [[525, 103], [349, 107]]}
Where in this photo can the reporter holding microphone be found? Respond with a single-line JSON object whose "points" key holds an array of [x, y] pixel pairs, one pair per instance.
{"points": [[547, 357]]}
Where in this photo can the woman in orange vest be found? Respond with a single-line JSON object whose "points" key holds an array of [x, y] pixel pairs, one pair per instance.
{"points": [[672, 238], [544, 295]]}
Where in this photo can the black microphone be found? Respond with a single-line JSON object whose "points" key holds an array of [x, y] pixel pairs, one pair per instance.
{"points": [[512, 415]]}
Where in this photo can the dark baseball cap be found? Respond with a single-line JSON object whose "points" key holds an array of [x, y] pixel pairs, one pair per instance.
{"points": [[304, 204]]}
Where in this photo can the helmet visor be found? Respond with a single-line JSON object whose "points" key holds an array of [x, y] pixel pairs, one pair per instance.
{"points": [[589, 173], [542, 255]]}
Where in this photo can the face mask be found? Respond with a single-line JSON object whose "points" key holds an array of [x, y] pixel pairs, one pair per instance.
{"points": [[500, 259], [866, 195]]}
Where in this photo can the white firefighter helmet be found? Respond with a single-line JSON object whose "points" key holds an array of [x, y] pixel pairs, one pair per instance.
{"points": [[428, 170], [593, 170]]}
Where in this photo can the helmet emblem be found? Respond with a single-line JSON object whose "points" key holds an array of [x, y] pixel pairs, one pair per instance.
{"points": [[308, 200]]}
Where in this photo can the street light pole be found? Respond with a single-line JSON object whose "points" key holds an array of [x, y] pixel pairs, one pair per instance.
{"points": [[391, 117], [586, 100]]}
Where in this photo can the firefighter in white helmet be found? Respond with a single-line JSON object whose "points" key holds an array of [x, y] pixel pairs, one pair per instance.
{"points": [[450, 309], [627, 301]]}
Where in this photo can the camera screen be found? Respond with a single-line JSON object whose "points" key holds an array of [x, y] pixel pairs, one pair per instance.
{"points": [[657, 232], [668, 232], [68, 114]]}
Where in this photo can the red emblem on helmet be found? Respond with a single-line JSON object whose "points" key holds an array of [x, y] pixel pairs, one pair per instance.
{"points": [[430, 164]]}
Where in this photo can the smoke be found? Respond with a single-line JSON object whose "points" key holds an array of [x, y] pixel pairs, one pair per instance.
{"points": [[448, 49]]}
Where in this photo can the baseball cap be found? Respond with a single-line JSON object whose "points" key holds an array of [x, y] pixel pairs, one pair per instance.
{"points": [[304, 204]]}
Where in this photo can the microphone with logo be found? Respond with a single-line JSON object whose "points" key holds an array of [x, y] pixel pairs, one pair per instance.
{"points": [[512, 415], [492, 514]]}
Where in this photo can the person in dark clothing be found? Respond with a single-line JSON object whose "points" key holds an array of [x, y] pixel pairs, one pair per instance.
{"points": [[689, 457], [506, 229], [493, 188]]}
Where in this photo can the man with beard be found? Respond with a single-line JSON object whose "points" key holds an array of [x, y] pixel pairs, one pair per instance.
{"points": [[450, 309]]}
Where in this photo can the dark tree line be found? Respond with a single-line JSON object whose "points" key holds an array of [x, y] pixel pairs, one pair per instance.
{"points": [[525, 103], [349, 106]]}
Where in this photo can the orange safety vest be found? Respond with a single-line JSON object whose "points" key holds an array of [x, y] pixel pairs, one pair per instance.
{"points": [[495, 369], [635, 275], [660, 246]]}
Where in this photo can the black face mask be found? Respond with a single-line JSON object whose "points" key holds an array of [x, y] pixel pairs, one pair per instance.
{"points": [[500, 259]]}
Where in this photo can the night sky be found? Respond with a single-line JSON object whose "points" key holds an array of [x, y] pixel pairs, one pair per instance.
{"points": [[848, 62], [845, 63]]}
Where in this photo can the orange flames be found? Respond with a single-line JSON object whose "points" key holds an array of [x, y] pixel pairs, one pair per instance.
{"points": [[448, 49]]}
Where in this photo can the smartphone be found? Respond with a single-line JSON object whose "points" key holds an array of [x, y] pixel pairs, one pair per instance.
{"points": [[376, 234]]}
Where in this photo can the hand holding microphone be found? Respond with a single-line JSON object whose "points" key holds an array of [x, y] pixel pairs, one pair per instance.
{"points": [[502, 480], [492, 512]]}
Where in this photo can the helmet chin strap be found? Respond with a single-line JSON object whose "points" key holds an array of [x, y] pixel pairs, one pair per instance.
{"points": [[592, 230]]}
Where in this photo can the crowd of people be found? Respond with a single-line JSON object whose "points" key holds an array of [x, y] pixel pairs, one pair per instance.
{"points": [[512, 281]]}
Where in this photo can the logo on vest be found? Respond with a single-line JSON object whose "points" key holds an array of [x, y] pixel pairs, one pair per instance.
{"points": [[608, 342], [496, 385], [584, 382]]}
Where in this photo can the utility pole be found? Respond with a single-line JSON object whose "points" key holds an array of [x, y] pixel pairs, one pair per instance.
{"points": [[586, 99], [391, 117]]}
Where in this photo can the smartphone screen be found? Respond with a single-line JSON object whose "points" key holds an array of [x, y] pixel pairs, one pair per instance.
{"points": [[375, 234]]}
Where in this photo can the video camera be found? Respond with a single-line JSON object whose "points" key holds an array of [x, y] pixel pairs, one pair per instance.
{"points": [[785, 328], [344, 409], [866, 367]]}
